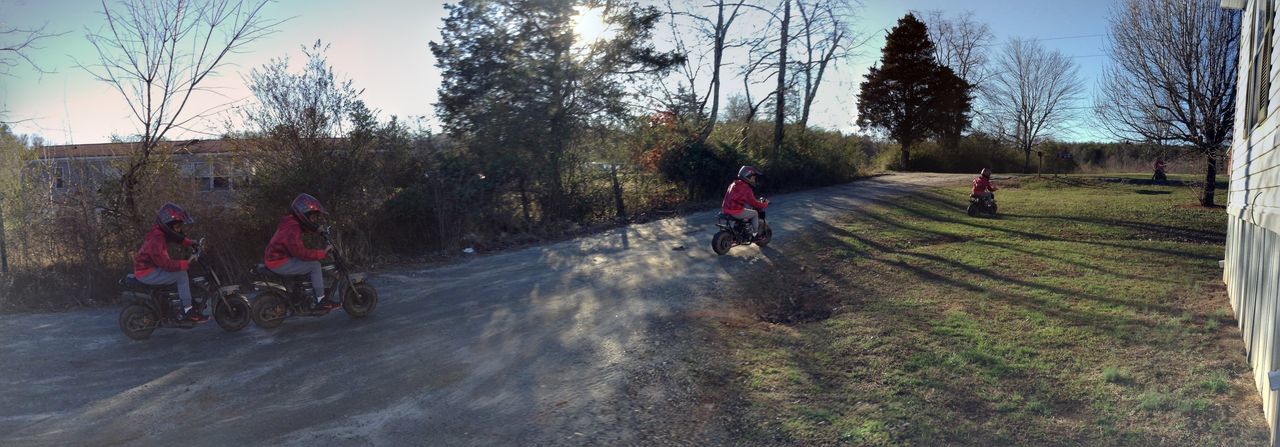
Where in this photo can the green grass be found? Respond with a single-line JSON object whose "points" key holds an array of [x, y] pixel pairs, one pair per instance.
{"points": [[1217, 384], [1089, 313], [1114, 375]]}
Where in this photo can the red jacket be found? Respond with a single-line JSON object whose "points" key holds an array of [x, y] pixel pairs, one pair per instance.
{"points": [[287, 243], [155, 254], [738, 197], [982, 184]]}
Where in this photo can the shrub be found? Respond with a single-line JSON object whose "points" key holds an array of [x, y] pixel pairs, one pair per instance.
{"points": [[703, 168]]}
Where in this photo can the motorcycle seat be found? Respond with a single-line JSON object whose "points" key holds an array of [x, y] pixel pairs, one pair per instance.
{"points": [[730, 217], [131, 283], [262, 271]]}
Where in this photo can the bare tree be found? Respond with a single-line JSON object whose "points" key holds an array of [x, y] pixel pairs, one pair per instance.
{"points": [[295, 107], [1173, 77], [824, 36], [715, 32], [156, 54], [756, 70], [16, 45], [1032, 94], [959, 44], [780, 95], [820, 37]]}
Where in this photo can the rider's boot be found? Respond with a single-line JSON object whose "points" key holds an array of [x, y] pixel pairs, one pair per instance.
{"points": [[325, 305], [195, 315]]}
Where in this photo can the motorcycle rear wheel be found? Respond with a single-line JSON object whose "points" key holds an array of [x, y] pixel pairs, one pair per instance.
{"points": [[137, 322], [722, 242], [269, 310]]}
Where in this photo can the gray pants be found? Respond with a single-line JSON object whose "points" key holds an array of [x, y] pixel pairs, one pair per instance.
{"points": [[295, 266], [160, 277], [752, 217]]}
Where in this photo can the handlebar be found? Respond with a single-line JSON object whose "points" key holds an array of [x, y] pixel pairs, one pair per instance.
{"points": [[197, 248]]}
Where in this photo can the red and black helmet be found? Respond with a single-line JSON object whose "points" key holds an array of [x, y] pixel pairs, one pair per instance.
{"points": [[986, 173], [169, 215], [746, 172], [303, 206]]}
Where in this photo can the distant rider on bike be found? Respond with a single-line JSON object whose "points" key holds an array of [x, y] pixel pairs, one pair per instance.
{"points": [[287, 255], [152, 265], [740, 195], [982, 187]]}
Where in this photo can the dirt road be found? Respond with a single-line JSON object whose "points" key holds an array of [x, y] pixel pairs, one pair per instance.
{"points": [[529, 347]]}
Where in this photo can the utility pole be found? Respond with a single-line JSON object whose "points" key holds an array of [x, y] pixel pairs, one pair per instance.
{"points": [[4, 256]]}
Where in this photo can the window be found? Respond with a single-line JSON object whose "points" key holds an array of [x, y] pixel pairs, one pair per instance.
{"points": [[212, 177], [1260, 63], [58, 180]]}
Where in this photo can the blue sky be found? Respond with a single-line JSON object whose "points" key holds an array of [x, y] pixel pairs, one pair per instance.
{"points": [[382, 46]]}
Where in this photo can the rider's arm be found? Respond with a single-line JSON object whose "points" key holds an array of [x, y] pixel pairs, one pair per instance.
{"points": [[293, 243], [747, 196], [159, 256]]}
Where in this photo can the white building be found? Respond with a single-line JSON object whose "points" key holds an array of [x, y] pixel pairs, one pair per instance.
{"points": [[1251, 269]]}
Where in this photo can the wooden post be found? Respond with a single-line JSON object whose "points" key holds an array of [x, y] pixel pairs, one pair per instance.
{"points": [[1040, 168], [617, 193], [4, 255]]}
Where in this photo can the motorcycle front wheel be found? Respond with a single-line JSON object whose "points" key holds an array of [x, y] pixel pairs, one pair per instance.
{"points": [[360, 300], [973, 209], [232, 314], [722, 242], [766, 235]]}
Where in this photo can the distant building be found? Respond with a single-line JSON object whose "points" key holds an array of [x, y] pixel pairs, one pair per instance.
{"points": [[1251, 269], [208, 163]]}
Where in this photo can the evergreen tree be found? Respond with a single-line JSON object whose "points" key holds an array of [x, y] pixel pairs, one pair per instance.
{"points": [[910, 95], [518, 90]]}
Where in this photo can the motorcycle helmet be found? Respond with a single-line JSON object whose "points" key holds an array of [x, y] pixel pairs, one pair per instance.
{"points": [[986, 173], [746, 172], [168, 216], [303, 207]]}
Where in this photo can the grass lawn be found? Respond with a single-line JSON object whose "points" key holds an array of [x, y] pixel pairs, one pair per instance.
{"points": [[1089, 313]]}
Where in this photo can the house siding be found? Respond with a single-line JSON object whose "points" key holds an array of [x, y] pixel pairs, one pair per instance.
{"points": [[1251, 268], [64, 175]]}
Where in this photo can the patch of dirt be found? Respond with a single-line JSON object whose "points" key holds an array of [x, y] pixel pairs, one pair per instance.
{"points": [[684, 393], [795, 294]]}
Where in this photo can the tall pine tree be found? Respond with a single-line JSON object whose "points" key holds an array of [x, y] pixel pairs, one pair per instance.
{"points": [[910, 95]]}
